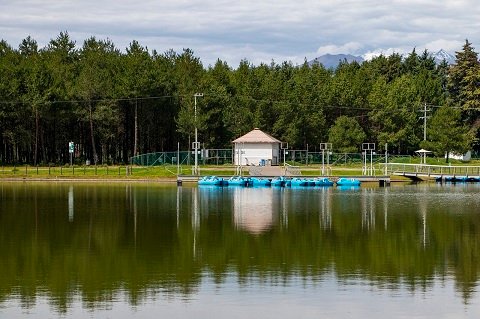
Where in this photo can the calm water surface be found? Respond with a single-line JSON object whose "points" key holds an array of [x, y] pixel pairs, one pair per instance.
{"points": [[147, 251]]}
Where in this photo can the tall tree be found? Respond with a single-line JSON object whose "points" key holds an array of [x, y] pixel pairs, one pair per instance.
{"points": [[346, 135], [96, 82], [12, 113], [36, 86], [447, 134], [62, 65], [189, 73], [394, 115], [137, 80], [463, 80]]}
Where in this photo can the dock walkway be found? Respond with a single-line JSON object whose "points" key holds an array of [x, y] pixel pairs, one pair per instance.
{"points": [[423, 171]]}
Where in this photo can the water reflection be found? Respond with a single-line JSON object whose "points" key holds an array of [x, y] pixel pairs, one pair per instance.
{"points": [[70, 203], [254, 208], [150, 241]]}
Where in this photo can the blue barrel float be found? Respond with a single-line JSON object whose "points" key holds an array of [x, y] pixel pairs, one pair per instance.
{"points": [[348, 182]]}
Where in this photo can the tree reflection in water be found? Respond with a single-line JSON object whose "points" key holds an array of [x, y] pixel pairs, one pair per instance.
{"points": [[96, 242]]}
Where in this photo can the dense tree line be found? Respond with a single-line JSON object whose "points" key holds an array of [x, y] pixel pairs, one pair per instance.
{"points": [[116, 104]]}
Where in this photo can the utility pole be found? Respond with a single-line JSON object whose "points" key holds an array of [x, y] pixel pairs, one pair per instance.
{"points": [[424, 117]]}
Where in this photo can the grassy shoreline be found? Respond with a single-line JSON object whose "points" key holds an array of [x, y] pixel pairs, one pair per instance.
{"points": [[146, 174]]}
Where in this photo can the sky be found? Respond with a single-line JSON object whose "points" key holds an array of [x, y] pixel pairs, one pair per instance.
{"points": [[255, 30]]}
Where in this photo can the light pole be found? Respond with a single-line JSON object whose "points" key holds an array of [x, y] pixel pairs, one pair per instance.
{"points": [[195, 146], [284, 147], [368, 147], [325, 147]]}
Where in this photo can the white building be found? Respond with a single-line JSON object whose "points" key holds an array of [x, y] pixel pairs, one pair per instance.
{"points": [[256, 148]]}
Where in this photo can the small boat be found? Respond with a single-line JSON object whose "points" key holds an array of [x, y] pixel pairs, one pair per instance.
{"points": [[461, 179], [298, 182], [278, 181], [449, 179], [237, 181], [259, 182], [454, 179], [323, 182], [348, 182], [211, 180], [473, 179]]}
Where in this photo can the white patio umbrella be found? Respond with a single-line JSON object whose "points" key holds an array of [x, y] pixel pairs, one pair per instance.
{"points": [[423, 154]]}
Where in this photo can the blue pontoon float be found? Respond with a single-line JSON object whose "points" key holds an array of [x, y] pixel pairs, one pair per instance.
{"points": [[259, 182], [323, 182], [211, 180], [348, 182], [237, 181]]}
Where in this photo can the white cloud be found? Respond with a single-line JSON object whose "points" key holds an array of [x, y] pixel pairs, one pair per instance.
{"points": [[447, 45], [347, 48], [252, 29], [386, 52]]}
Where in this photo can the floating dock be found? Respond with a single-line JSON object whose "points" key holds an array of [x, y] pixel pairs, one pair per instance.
{"points": [[381, 180]]}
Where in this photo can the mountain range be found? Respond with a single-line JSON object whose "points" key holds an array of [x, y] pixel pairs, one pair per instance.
{"points": [[331, 61]]}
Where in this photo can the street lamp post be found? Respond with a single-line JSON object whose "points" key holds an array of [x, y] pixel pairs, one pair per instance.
{"points": [[325, 147], [284, 147], [195, 146], [368, 147]]}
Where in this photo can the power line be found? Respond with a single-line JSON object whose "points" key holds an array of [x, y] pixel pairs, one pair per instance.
{"points": [[97, 100]]}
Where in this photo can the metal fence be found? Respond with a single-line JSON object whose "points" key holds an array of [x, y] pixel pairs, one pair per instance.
{"points": [[205, 156], [225, 156], [311, 158], [292, 157]]}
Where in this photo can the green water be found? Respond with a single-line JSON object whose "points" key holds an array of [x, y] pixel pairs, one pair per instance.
{"points": [[122, 250]]}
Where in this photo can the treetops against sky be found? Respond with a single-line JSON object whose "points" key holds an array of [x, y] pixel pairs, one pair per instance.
{"points": [[283, 30], [115, 104]]}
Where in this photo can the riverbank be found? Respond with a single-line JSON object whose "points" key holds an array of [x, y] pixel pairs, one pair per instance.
{"points": [[164, 174]]}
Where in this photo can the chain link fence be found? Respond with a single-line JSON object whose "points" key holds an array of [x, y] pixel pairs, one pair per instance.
{"points": [[205, 157]]}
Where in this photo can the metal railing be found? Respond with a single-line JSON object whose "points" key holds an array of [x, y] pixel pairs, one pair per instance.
{"points": [[206, 156], [428, 170]]}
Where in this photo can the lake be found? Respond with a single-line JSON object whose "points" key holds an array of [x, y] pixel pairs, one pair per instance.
{"points": [[147, 250]]}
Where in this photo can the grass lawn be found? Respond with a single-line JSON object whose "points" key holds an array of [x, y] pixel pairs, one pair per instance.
{"points": [[170, 171]]}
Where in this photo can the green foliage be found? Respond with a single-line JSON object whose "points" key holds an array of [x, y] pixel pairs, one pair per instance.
{"points": [[447, 134], [113, 104], [346, 135]]}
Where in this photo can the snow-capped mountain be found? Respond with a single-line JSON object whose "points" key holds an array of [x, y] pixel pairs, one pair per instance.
{"points": [[331, 61], [443, 55]]}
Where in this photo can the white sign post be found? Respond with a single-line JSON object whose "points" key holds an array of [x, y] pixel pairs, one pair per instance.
{"points": [[71, 148]]}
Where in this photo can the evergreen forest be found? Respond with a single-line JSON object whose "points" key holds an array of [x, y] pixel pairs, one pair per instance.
{"points": [[116, 103]]}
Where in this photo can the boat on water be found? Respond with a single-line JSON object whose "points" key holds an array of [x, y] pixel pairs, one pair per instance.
{"points": [[211, 181], [238, 181], [278, 181], [324, 181], [348, 182], [259, 182], [295, 181], [452, 179]]}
